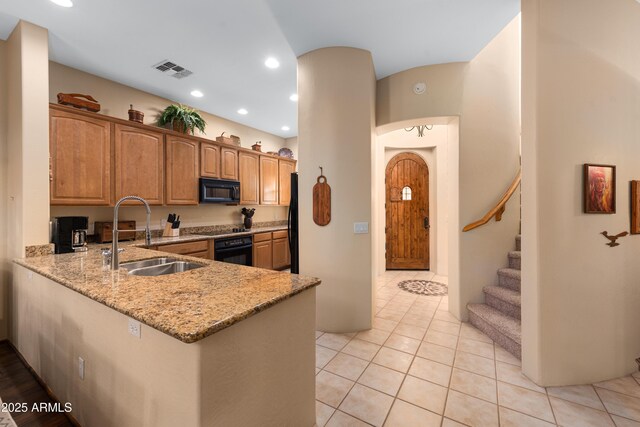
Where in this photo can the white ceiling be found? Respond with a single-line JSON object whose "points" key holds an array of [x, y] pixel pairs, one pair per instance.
{"points": [[225, 43]]}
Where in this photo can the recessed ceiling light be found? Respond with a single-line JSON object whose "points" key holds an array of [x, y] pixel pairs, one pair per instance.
{"points": [[243, 111], [285, 128], [294, 97], [197, 93], [272, 63], [63, 3]]}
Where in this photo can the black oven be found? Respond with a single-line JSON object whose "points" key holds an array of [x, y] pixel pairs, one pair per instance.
{"points": [[219, 191], [236, 250]]}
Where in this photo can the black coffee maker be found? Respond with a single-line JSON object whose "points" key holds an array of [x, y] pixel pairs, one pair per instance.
{"points": [[69, 233]]}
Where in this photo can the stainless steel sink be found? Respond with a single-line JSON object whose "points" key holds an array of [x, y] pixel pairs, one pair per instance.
{"points": [[159, 266]]}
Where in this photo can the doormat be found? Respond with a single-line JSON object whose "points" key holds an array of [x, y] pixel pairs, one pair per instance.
{"points": [[424, 287]]}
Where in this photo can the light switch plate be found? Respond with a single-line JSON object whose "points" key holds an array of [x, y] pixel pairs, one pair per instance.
{"points": [[81, 368], [360, 227]]}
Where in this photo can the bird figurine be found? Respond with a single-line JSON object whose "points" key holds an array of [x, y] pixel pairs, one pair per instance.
{"points": [[613, 239]]}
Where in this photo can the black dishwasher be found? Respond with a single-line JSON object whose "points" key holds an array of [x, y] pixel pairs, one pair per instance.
{"points": [[236, 250]]}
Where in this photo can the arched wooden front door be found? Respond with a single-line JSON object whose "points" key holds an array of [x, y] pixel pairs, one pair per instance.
{"points": [[407, 213]]}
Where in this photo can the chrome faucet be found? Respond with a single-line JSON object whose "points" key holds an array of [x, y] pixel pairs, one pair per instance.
{"points": [[115, 263]]}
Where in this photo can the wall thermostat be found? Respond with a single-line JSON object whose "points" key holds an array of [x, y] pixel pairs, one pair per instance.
{"points": [[419, 88]]}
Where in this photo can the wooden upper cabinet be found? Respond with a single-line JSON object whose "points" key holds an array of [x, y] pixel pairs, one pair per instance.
{"points": [[249, 178], [268, 180], [80, 159], [139, 159], [209, 160], [182, 171], [228, 163], [285, 169]]}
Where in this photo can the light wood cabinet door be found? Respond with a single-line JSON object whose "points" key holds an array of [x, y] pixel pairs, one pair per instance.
{"points": [[285, 169], [80, 159], [209, 160], [139, 159], [281, 254], [228, 163], [262, 256], [249, 178], [182, 171], [268, 180]]}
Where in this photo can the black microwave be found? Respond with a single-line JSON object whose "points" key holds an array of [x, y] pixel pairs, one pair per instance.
{"points": [[219, 191]]}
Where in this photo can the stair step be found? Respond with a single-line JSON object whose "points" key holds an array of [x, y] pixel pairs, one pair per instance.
{"points": [[503, 299], [518, 243], [503, 329], [509, 278], [514, 260]]}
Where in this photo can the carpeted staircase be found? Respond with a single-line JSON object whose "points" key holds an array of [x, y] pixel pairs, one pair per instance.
{"points": [[499, 316]]}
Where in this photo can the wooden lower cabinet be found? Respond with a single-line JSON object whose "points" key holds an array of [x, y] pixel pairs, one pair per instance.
{"points": [[199, 249], [262, 251], [281, 254], [271, 250]]}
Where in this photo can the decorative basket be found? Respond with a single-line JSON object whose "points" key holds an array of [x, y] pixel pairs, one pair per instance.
{"points": [[135, 115]]}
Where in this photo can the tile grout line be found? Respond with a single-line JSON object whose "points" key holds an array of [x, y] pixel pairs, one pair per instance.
{"points": [[413, 357], [605, 406], [446, 399]]}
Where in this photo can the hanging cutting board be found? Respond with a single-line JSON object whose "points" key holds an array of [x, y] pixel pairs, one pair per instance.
{"points": [[322, 201]]}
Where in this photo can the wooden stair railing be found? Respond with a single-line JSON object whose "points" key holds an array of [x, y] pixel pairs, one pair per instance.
{"points": [[498, 209]]}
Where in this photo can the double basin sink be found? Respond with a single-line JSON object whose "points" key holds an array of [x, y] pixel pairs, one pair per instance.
{"points": [[159, 266]]}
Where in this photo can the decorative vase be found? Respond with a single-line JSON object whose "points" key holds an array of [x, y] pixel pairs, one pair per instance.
{"points": [[248, 222]]}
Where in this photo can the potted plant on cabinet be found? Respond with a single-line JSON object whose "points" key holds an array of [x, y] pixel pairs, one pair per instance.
{"points": [[182, 119]]}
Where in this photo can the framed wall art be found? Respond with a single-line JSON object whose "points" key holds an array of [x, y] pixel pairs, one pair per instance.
{"points": [[635, 207], [599, 189]]}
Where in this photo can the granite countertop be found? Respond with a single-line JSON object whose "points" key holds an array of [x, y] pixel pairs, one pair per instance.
{"points": [[188, 306]]}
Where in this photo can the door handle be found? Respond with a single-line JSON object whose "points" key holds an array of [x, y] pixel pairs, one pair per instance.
{"points": [[426, 223]]}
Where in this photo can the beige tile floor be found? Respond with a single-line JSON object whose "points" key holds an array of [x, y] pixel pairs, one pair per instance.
{"points": [[419, 366]]}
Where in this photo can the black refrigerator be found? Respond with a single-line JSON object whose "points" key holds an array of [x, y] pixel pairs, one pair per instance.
{"points": [[292, 224]]}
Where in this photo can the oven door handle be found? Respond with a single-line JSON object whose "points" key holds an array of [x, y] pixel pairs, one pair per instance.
{"points": [[236, 248]]}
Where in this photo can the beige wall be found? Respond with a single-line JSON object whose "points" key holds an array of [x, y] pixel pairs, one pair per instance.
{"points": [[484, 94], [28, 136], [24, 159], [336, 123], [489, 160], [396, 101], [432, 147], [5, 265], [581, 87], [114, 99], [264, 362]]}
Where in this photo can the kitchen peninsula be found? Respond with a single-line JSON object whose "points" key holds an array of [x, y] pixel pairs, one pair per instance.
{"points": [[220, 345]]}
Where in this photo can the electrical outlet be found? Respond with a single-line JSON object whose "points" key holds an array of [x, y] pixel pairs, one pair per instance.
{"points": [[81, 368], [361, 227], [134, 328], [30, 274]]}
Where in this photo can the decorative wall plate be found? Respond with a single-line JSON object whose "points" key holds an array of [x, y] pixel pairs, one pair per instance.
{"points": [[285, 152]]}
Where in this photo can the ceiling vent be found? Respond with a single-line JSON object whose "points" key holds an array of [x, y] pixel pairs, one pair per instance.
{"points": [[172, 69]]}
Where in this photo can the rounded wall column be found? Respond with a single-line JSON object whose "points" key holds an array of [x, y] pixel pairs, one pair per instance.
{"points": [[336, 124]]}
